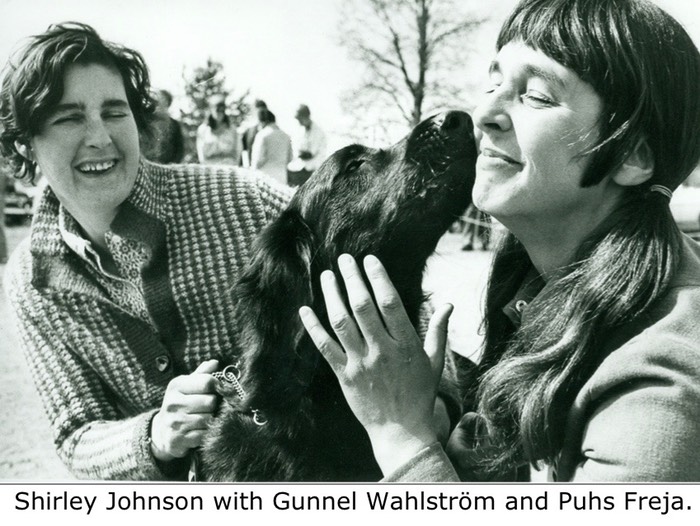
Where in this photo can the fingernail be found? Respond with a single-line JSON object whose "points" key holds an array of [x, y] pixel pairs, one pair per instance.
{"points": [[327, 276], [304, 311], [371, 262], [345, 261]]}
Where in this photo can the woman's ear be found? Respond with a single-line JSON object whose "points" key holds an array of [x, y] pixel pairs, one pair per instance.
{"points": [[637, 168], [25, 151]]}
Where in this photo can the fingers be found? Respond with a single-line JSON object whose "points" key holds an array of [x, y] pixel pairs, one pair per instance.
{"points": [[436, 338], [193, 384], [341, 321], [360, 300], [177, 402], [210, 366], [388, 300], [369, 321], [326, 345], [173, 435], [191, 422], [185, 413], [199, 381]]}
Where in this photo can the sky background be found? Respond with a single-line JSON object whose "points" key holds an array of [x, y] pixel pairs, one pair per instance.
{"points": [[284, 51]]}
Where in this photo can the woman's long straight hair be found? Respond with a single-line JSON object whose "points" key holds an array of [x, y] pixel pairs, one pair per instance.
{"points": [[647, 71]]}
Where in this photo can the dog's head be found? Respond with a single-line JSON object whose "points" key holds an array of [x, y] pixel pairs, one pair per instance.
{"points": [[394, 203]]}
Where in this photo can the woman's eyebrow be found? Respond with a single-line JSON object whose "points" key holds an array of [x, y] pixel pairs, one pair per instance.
{"points": [[532, 70], [68, 106], [72, 106], [551, 78], [115, 103]]}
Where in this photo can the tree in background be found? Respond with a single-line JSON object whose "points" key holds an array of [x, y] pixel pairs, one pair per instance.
{"points": [[413, 52], [200, 84]]}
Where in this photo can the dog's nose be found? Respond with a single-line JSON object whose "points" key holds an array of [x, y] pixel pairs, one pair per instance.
{"points": [[455, 121]]}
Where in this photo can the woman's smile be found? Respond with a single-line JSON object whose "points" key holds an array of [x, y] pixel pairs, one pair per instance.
{"points": [[97, 168], [491, 159]]}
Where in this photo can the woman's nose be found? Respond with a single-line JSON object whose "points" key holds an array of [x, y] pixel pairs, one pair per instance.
{"points": [[491, 114], [97, 135]]}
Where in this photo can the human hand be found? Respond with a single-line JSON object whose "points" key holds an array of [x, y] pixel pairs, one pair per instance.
{"points": [[185, 413], [388, 380]]}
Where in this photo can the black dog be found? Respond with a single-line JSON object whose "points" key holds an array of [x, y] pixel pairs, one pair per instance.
{"points": [[393, 203]]}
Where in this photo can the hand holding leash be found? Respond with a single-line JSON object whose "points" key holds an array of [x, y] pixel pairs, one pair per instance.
{"points": [[185, 414], [389, 381]]}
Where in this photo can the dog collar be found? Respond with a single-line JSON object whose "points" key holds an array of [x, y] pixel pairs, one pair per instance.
{"points": [[231, 376]]}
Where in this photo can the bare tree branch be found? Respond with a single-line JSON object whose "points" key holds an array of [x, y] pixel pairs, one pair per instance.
{"points": [[410, 50]]}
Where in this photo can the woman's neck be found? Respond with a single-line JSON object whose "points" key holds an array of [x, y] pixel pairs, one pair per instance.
{"points": [[552, 244], [95, 224]]}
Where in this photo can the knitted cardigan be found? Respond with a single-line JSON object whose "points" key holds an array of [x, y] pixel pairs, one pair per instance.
{"points": [[102, 372]]}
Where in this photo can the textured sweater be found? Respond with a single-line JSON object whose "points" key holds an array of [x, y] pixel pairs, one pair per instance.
{"points": [[101, 371]]}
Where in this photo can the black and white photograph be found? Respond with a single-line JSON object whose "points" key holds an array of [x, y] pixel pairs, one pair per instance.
{"points": [[350, 241]]}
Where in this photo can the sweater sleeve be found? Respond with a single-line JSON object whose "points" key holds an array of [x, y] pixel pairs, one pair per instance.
{"points": [[90, 437], [429, 465], [273, 195]]}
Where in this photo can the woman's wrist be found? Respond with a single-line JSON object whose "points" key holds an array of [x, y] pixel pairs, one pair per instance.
{"points": [[158, 452], [394, 445]]}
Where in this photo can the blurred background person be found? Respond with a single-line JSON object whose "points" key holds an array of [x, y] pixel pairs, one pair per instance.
{"points": [[248, 136], [167, 145], [217, 139], [309, 148], [272, 148]]}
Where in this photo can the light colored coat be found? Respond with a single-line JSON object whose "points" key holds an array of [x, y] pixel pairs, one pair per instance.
{"points": [[272, 151]]}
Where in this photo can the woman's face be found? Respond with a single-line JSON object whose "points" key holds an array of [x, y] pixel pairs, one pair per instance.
{"points": [[88, 147], [532, 126], [218, 111]]}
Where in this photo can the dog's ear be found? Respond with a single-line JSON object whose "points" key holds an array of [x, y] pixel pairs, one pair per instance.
{"points": [[276, 283]]}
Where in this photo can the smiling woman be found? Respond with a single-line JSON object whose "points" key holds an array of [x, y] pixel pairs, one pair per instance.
{"points": [[88, 147], [590, 369], [535, 126], [122, 290]]}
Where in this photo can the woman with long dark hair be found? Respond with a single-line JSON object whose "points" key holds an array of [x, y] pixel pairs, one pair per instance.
{"points": [[591, 361], [217, 138]]}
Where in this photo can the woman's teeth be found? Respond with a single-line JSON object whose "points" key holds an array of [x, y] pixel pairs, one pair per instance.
{"points": [[96, 167]]}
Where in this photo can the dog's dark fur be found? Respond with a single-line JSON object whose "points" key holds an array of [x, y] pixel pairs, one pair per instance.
{"points": [[393, 203]]}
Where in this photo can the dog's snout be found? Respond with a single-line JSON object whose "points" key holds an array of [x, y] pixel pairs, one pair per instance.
{"points": [[455, 121], [442, 137]]}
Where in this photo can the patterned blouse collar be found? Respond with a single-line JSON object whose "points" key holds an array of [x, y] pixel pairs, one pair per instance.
{"points": [[51, 224]]}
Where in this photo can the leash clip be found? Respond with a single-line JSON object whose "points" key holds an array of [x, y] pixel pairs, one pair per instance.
{"points": [[231, 375]]}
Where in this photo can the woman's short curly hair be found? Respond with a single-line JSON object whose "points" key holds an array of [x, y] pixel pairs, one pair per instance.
{"points": [[32, 84]]}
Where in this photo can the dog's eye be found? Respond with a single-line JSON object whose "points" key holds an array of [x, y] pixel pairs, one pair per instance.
{"points": [[353, 165]]}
